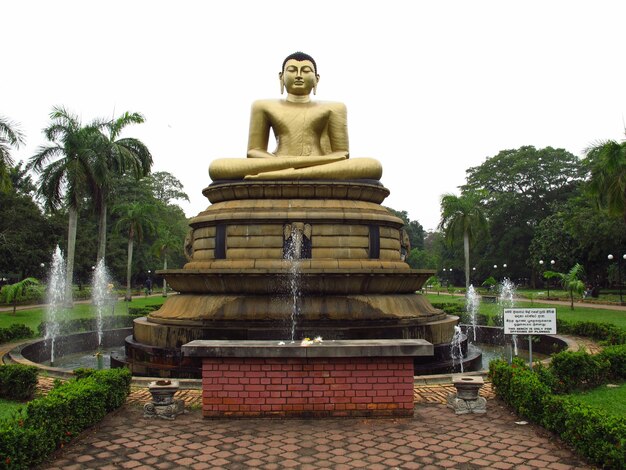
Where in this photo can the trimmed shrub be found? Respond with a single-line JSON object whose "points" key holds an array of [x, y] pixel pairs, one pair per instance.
{"points": [[594, 434], [143, 311], [616, 357], [578, 370], [14, 332], [47, 423], [605, 332], [18, 382]]}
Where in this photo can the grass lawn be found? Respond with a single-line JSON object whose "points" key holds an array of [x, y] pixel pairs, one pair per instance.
{"points": [[33, 317], [563, 312], [8, 407], [610, 400]]}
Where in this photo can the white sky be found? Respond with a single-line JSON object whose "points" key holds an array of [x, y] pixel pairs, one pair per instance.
{"points": [[432, 88]]}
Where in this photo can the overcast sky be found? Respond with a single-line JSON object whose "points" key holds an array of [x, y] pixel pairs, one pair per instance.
{"points": [[432, 88]]}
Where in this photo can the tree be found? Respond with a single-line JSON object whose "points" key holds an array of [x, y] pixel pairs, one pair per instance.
{"points": [[70, 178], [571, 281], [136, 218], [462, 218], [166, 187], [520, 187], [607, 180], [10, 136], [12, 293], [413, 228], [116, 157]]}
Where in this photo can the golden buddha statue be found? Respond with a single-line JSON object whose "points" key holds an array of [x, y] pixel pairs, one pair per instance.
{"points": [[312, 136]]}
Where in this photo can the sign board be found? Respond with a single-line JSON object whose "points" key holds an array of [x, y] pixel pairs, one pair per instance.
{"points": [[530, 321]]}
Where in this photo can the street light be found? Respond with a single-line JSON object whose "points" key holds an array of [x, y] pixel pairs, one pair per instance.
{"points": [[619, 274]]}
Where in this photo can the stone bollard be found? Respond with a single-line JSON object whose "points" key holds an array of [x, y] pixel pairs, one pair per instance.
{"points": [[163, 404], [466, 399]]}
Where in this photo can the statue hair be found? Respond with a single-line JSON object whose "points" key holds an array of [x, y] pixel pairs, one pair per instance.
{"points": [[300, 56]]}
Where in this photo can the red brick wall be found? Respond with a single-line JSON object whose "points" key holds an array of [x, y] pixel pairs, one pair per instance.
{"points": [[246, 387]]}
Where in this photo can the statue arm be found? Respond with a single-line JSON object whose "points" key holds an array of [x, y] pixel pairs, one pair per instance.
{"points": [[259, 132], [338, 130]]}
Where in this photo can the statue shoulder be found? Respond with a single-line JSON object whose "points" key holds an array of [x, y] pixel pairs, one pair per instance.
{"points": [[335, 106], [264, 104]]}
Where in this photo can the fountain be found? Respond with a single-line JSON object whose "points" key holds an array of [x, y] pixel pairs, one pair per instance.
{"points": [[55, 299], [100, 295], [472, 306], [507, 300]]}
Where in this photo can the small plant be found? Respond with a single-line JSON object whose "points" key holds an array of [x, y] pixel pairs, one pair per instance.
{"points": [[13, 293]]}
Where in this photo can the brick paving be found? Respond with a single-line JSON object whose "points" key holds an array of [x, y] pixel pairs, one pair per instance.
{"points": [[435, 438]]}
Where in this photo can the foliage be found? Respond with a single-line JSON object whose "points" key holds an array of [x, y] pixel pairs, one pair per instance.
{"points": [[46, 424], [13, 293], [489, 282], [571, 281], [15, 332], [616, 357], [594, 434], [578, 370], [143, 311], [10, 136], [463, 219], [520, 188], [607, 181], [606, 332], [17, 381]]}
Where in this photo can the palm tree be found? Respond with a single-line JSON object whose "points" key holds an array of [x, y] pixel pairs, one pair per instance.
{"points": [[165, 243], [571, 281], [462, 218], [10, 136], [135, 218], [12, 293], [117, 157], [607, 181], [70, 178]]}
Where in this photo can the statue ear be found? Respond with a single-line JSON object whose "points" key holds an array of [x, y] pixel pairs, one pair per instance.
{"points": [[317, 80], [282, 84]]}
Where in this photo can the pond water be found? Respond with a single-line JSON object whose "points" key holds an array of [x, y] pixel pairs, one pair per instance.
{"points": [[491, 352], [88, 360]]}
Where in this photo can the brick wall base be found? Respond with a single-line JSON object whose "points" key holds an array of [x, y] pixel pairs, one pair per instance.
{"points": [[307, 387]]}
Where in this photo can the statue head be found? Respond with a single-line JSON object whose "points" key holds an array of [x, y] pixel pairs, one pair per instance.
{"points": [[299, 74]]}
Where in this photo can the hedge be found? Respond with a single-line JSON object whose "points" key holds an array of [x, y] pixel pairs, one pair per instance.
{"points": [[17, 381], [594, 434], [143, 311], [14, 332], [46, 424]]}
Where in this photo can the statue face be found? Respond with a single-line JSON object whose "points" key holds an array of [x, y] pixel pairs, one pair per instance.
{"points": [[299, 77]]}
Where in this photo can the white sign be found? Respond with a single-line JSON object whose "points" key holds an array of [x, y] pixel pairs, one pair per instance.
{"points": [[530, 321]]}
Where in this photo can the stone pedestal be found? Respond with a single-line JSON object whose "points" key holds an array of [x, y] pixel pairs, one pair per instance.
{"points": [[466, 399], [163, 404]]}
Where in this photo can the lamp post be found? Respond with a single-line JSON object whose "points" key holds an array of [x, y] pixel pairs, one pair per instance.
{"points": [[619, 274]]}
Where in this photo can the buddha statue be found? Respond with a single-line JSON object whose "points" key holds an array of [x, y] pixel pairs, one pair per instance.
{"points": [[312, 136]]}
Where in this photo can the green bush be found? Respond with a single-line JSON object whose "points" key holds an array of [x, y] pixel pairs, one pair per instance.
{"points": [[89, 324], [578, 370], [593, 433], [18, 382], [605, 332], [47, 423], [143, 311], [616, 357], [14, 332]]}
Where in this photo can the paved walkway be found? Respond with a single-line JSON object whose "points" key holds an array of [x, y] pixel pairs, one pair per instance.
{"points": [[435, 438]]}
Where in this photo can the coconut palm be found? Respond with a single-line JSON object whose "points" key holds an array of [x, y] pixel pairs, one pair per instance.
{"points": [[571, 281], [135, 218], [10, 136], [607, 181], [116, 157], [166, 242], [462, 218], [69, 178], [12, 293]]}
